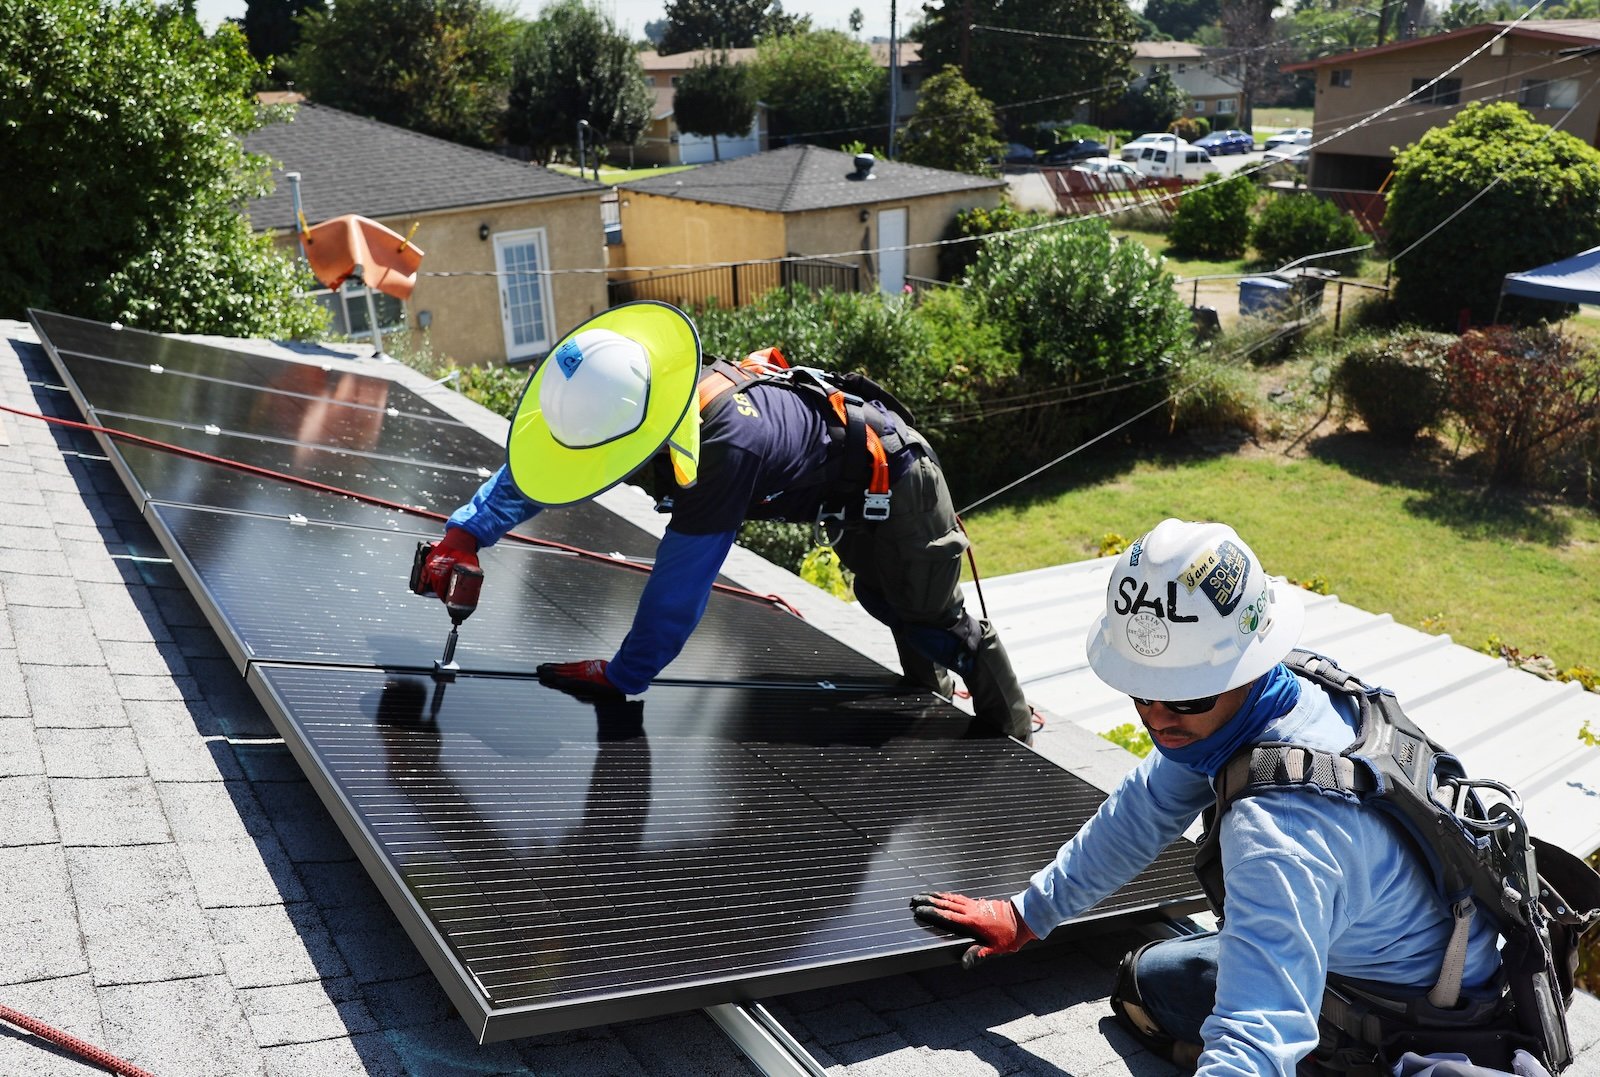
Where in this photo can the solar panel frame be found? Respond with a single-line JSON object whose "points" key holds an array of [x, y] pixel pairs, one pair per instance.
{"points": [[491, 1020], [329, 746]]}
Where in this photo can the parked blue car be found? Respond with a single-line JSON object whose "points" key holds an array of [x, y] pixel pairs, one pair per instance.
{"points": [[1218, 142]]}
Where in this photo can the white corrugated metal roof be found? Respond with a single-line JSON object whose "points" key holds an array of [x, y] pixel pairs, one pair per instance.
{"points": [[1504, 723]]}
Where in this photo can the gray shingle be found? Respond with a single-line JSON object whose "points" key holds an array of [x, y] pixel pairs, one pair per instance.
{"points": [[26, 809], [38, 922], [73, 697], [350, 164], [177, 1027], [108, 811], [139, 916], [805, 177], [90, 753]]}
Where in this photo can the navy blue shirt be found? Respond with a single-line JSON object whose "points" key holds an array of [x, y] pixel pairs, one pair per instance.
{"points": [[762, 451]]}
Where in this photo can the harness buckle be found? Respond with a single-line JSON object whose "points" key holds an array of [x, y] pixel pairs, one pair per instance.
{"points": [[821, 533], [875, 507]]}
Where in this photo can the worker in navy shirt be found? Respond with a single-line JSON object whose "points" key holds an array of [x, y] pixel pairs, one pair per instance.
{"points": [[1196, 634], [625, 395]]}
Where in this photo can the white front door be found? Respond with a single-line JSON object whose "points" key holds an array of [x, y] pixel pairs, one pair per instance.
{"points": [[891, 250], [525, 308]]}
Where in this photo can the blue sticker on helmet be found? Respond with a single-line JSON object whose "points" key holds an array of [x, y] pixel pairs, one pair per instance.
{"points": [[568, 356], [1219, 574]]}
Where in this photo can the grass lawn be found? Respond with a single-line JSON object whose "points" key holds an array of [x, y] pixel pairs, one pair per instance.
{"points": [[612, 176], [1269, 121], [1388, 532]]}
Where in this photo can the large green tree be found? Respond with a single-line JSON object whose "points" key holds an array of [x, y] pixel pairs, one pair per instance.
{"points": [[1181, 19], [953, 127], [1006, 50], [270, 26], [573, 65], [715, 98], [123, 172], [823, 87], [725, 24], [434, 66], [1540, 202]]}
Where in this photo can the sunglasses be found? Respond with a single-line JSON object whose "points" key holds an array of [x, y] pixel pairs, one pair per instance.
{"points": [[1181, 706]]}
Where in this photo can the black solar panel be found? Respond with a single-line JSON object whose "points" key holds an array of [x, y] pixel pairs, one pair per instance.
{"points": [[707, 844], [287, 592], [755, 825]]}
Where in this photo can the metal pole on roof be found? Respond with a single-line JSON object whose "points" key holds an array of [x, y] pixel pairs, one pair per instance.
{"points": [[894, 80], [583, 125], [299, 216]]}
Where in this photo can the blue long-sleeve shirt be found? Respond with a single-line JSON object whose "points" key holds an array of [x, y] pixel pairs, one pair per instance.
{"points": [[1314, 884], [674, 597]]}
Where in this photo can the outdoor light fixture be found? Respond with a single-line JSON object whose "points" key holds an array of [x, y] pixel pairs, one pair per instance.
{"points": [[864, 216], [483, 231]]}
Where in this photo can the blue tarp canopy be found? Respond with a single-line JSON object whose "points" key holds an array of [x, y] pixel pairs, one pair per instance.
{"points": [[1571, 280]]}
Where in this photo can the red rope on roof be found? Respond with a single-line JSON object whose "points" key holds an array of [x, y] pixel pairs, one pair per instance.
{"points": [[393, 506]]}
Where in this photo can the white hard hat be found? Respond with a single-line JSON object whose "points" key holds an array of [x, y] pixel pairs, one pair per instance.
{"points": [[1191, 613], [597, 390]]}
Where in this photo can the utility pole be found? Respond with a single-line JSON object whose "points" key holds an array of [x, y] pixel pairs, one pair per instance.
{"points": [[583, 160], [894, 79]]}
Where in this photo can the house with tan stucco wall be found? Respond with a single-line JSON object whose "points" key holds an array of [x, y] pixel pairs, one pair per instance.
{"points": [[514, 254], [798, 213], [1539, 64]]}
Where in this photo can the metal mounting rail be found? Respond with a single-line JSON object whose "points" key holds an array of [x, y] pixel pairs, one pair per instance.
{"points": [[764, 1040]]}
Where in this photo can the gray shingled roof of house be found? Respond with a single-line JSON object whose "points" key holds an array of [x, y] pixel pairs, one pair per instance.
{"points": [[172, 890], [805, 178], [350, 164]]}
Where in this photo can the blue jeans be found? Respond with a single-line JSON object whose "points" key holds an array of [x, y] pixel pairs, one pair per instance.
{"points": [[1177, 980]]}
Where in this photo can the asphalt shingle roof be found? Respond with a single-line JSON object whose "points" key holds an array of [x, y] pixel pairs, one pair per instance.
{"points": [[806, 178], [350, 164]]}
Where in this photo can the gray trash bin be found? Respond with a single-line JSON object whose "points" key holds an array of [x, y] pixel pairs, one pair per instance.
{"points": [[1263, 297]]}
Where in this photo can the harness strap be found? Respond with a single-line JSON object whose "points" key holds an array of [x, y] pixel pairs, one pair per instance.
{"points": [[1446, 990]]}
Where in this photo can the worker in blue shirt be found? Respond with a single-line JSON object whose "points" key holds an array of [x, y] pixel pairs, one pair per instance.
{"points": [[625, 395], [1196, 633]]}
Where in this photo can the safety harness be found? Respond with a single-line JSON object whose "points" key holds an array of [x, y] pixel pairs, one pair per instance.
{"points": [[860, 441], [1480, 856]]}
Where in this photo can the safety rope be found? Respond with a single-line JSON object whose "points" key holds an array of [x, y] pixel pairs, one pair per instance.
{"points": [[82, 1048], [369, 499]]}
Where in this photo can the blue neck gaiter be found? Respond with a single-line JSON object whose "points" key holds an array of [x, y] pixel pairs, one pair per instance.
{"points": [[1275, 693]]}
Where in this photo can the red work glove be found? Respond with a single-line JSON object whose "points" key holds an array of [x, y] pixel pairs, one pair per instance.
{"points": [[995, 924], [457, 547], [586, 679]]}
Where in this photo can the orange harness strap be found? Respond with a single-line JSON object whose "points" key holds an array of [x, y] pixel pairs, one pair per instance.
{"points": [[880, 459]]}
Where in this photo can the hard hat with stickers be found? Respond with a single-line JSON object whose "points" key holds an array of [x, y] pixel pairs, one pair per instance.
{"points": [[613, 393], [1191, 613]]}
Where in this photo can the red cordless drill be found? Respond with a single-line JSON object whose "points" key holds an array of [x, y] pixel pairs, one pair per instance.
{"points": [[462, 585]]}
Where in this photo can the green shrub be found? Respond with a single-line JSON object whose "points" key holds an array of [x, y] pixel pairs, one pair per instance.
{"points": [[968, 224], [1528, 395], [1213, 395], [1540, 200], [1296, 225], [498, 388], [1078, 304], [1131, 737], [1213, 221], [785, 545], [1396, 384], [822, 568], [1190, 128]]}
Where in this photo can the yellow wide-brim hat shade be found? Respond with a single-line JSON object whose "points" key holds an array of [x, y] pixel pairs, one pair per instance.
{"points": [[550, 473]]}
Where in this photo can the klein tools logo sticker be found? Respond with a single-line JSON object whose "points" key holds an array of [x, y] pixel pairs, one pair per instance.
{"points": [[1148, 634], [568, 357], [1219, 574]]}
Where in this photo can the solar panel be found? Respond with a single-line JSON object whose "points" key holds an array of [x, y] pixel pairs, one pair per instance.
{"points": [[755, 825], [579, 863], [286, 592]]}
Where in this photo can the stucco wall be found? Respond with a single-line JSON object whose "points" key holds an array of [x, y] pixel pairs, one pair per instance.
{"points": [[829, 231], [1376, 81], [661, 231], [464, 312]]}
